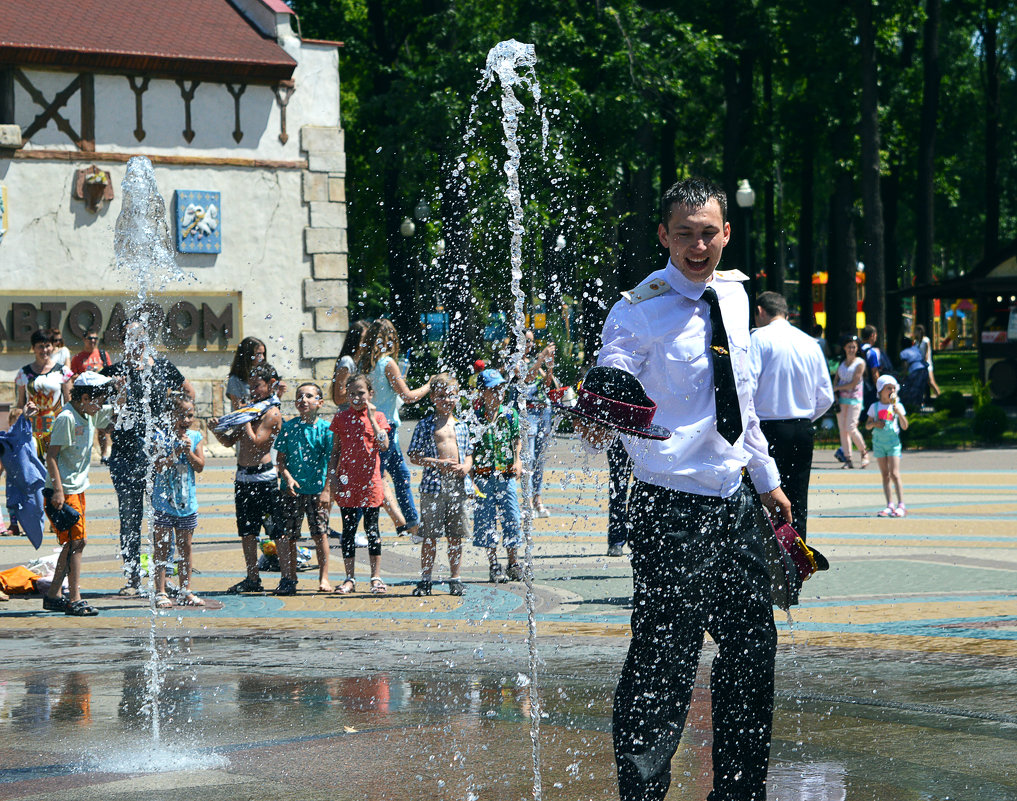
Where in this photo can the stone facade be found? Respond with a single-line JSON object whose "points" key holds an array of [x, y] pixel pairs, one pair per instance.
{"points": [[274, 152]]}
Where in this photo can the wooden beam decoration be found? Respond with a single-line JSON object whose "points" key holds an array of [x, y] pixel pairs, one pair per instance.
{"points": [[188, 95], [50, 110], [87, 141], [235, 93], [283, 92], [139, 89]]}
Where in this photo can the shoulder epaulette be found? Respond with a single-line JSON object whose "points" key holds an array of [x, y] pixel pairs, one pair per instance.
{"points": [[731, 275], [650, 289]]}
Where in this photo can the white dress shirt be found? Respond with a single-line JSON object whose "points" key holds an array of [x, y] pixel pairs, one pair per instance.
{"points": [[664, 341], [791, 380]]}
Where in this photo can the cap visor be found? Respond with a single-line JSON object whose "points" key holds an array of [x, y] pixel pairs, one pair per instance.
{"points": [[649, 432]]}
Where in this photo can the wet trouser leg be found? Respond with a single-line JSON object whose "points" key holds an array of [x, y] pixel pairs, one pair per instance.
{"points": [[698, 566], [129, 482], [620, 471]]}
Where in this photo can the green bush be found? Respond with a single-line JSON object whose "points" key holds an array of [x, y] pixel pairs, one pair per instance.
{"points": [[925, 426], [952, 402], [989, 423]]}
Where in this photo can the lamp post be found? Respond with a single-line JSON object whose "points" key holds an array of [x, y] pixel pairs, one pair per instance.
{"points": [[746, 199]]}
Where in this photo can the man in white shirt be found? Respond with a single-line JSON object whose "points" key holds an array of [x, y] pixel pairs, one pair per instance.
{"points": [[792, 391], [697, 555]]}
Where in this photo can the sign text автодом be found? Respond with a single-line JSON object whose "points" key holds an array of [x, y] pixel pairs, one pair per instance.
{"points": [[200, 321]]}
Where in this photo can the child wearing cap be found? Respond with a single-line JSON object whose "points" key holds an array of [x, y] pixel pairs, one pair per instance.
{"points": [[67, 460], [497, 467], [886, 419]]}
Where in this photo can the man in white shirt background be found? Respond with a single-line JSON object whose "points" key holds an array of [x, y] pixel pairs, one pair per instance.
{"points": [[792, 391], [697, 554]]}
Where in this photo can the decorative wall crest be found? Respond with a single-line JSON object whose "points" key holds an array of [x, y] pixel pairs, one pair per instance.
{"points": [[198, 219]]}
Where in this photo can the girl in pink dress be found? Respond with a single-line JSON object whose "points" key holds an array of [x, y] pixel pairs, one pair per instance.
{"points": [[360, 434]]}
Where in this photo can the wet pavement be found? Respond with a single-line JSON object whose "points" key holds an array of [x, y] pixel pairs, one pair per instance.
{"points": [[896, 680]]}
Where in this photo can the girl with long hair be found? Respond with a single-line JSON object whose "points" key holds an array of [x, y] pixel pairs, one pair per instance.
{"points": [[379, 359]]}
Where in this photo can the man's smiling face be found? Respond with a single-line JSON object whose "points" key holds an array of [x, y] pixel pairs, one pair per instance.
{"points": [[695, 239]]}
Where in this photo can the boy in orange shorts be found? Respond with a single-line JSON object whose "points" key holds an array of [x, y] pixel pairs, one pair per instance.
{"points": [[67, 461]]}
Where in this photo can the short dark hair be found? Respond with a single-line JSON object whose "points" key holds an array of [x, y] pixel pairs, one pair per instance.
{"points": [[868, 331], [692, 193], [100, 393], [40, 335], [361, 377], [264, 372], [773, 303], [311, 384]]}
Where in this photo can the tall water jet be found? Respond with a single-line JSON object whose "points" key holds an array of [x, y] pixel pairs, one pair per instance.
{"points": [[512, 64], [144, 252]]}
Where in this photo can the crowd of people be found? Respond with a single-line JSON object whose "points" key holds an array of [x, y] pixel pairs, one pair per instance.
{"points": [[295, 470], [142, 407]]}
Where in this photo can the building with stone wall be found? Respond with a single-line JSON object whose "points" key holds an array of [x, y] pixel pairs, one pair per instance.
{"points": [[240, 118]]}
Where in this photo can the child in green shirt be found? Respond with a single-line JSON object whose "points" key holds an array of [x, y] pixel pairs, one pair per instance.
{"points": [[67, 461], [496, 471]]}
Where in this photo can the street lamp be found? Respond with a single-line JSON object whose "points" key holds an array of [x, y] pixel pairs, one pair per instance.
{"points": [[422, 211], [746, 199]]}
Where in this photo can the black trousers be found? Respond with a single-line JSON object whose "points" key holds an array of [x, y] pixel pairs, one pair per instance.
{"points": [[128, 477], [619, 467], [791, 443], [698, 566], [351, 519]]}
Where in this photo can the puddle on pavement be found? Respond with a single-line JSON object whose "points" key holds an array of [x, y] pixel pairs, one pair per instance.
{"points": [[244, 718]]}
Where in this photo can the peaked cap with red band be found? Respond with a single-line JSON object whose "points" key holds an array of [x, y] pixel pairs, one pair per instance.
{"points": [[616, 399]]}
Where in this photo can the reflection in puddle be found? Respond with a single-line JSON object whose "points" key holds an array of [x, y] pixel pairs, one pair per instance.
{"points": [[442, 733]]}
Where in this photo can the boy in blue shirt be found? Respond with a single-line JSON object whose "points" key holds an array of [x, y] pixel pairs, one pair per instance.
{"points": [[302, 449]]}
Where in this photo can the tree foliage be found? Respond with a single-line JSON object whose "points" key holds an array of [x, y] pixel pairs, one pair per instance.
{"points": [[639, 93]]}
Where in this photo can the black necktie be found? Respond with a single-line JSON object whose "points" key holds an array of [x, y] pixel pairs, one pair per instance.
{"points": [[729, 413]]}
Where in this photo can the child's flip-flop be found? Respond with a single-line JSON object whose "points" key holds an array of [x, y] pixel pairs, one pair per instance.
{"points": [[378, 586], [348, 587]]}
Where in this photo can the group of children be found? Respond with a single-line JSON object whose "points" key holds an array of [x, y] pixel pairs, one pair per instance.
{"points": [[317, 464]]}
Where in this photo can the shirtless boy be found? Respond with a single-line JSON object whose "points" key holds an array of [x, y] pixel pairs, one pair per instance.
{"points": [[441, 445], [255, 488]]}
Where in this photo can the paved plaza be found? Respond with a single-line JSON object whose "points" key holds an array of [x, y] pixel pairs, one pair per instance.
{"points": [[895, 674]]}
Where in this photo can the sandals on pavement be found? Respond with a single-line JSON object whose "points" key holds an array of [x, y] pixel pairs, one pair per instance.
{"points": [[188, 598], [58, 604], [130, 591], [286, 587], [80, 609], [378, 587], [247, 585], [162, 601], [348, 587], [422, 588], [455, 586], [865, 459]]}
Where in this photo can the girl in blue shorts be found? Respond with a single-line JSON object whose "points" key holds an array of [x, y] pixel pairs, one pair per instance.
{"points": [[886, 419], [175, 501]]}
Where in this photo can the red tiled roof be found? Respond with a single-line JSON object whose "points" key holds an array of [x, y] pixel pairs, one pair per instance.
{"points": [[207, 39], [278, 6]]}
